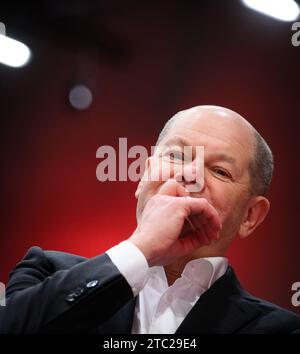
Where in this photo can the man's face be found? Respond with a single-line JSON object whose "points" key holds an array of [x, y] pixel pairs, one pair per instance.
{"points": [[228, 150]]}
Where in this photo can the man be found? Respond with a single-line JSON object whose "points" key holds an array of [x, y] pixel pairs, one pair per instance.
{"points": [[170, 275]]}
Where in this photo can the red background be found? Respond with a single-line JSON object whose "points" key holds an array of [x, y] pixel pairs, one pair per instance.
{"points": [[143, 61]]}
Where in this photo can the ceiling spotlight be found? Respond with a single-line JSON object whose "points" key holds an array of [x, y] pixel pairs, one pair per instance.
{"points": [[285, 10], [12, 52]]}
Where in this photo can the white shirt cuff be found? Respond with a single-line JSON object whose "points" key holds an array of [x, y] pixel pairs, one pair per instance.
{"points": [[131, 263]]}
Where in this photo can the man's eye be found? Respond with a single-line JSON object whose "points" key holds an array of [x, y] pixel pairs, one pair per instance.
{"points": [[221, 172], [176, 155]]}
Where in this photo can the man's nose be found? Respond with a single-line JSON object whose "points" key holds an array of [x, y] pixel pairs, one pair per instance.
{"points": [[191, 176]]}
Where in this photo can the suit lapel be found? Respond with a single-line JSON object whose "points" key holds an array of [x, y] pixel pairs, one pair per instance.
{"points": [[221, 309]]}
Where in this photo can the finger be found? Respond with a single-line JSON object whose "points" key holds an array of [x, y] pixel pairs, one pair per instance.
{"points": [[190, 222], [173, 189], [201, 207], [202, 226], [188, 244], [201, 231], [210, 231]]}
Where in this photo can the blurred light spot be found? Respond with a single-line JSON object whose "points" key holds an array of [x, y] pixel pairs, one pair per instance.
{"points": [[80, 97], [285, 10], [13, 53]]}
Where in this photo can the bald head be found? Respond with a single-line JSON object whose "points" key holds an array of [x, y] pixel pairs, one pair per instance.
{"points": [[224, 120]]}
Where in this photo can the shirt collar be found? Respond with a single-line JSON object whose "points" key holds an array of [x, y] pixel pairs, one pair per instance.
{"points": [[203, 272]]}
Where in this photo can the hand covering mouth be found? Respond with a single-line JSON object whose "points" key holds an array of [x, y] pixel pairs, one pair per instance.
{"points": [[187, 228]]}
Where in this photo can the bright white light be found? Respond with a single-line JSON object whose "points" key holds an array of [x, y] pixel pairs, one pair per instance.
{"points": [[80, 97], [285, 10], [13, 53]]}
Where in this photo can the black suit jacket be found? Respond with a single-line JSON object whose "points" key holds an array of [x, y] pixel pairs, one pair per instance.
{"points": [[56, 292]]}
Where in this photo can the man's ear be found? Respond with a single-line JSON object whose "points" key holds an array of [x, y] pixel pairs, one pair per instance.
{"points": [[143, 179], [258, 209]]}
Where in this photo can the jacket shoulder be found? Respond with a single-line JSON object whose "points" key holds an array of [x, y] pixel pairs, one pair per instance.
{"points": [[256, 315], [272, 318]]}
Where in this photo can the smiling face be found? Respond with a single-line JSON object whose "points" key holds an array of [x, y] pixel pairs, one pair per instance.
{"points": [[228, 142]]}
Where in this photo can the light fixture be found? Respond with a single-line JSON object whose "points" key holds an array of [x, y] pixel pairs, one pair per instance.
{"points": [[12, 52], [285, 10]]}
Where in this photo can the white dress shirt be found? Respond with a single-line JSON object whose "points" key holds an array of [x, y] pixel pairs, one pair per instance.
{"points": [[161, 308]]}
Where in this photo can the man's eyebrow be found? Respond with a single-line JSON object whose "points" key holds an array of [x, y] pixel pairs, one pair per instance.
{"points": [[177, 141], [223, 157], [215, 156]]}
